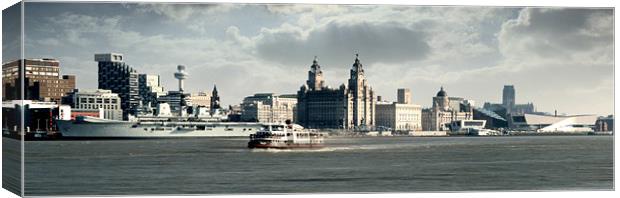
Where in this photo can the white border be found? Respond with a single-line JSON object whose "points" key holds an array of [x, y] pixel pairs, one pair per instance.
{"points": [[538, 3]]}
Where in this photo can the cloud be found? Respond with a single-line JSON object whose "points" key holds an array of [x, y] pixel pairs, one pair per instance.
{"points": [[182, 12], [336, 43], [472, 51], [290, 9], [559, 35]]}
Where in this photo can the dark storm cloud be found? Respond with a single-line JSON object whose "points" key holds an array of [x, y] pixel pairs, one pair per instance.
{"points": [[557, 33], [337, 43]]}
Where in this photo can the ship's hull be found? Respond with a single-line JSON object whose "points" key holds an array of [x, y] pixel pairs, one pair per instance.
{"points": [[78, 130]]}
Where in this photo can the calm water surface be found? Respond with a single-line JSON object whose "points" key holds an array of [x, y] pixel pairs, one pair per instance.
{"points": [[369, 164]]}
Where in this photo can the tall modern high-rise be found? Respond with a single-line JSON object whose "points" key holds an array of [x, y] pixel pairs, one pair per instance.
{"points": [[404, 96], [150, 89], [363, 96], [120, 78], [508, 97]]}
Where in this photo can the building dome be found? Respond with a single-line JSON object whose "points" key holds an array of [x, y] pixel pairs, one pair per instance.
{"points": [[442, 93]]}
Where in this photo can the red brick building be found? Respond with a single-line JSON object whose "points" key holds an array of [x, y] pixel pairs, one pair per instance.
{"points": [[42, 79]]}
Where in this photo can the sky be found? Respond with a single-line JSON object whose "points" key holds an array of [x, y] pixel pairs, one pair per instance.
{"points": [[557, 58]]}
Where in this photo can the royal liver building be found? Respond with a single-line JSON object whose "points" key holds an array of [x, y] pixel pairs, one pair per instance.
{"points": [[363, 97], [348, 107]]}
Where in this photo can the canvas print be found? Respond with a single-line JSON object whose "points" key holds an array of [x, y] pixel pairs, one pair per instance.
{"points": [[156, 98]]}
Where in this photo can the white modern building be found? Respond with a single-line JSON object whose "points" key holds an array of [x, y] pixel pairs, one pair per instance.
{"points": [[94, 100], [554, 123]]}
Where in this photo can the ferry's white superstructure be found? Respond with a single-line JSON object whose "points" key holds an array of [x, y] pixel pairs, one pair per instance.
{"points": [[287, 136]]}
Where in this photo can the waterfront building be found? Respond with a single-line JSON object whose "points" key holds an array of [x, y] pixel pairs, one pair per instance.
{"points": [[399, 116], [200, 99], [324, 108], [363, 97], [99, 100], [404, 96], [439, 117], [319, 106], [493, 120], [120, 78], [150, 89], [347, 107], [496, 108], [233, 113], [174, 100], [553, 123], [269, 108], [39, 117], [605, 123], [460, 104], [466, 127], [42, 80]]}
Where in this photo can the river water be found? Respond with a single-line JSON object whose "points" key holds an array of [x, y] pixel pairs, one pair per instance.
{"points": [[348, 164]]}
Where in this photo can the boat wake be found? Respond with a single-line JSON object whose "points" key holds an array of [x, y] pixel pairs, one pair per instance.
{"points": [[303, 150], [339, 148]]}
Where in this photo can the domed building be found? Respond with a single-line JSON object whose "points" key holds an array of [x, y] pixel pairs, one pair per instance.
{"points": [[445, 110], [441, 101]]}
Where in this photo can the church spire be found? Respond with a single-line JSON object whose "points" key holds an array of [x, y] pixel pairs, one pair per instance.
{"points": [[215, 99]]}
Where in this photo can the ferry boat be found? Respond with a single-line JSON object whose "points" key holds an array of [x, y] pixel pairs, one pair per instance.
{"points": [[286, 136]]}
